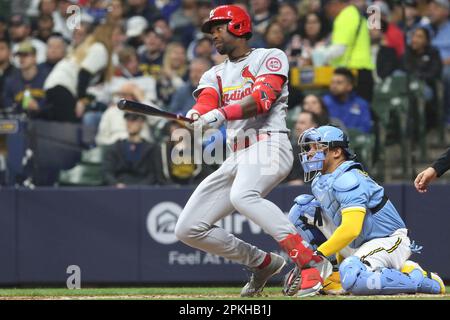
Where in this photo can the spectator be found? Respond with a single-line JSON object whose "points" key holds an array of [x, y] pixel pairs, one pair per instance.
{"points": [[164, 27], [3, 29], [142, 8], [203, 48], [174, 165], [344, 104], [117, 11], [288, 18], [440, 24], [413, 19], [47, 7], [151, 60], [56, 51], [183, 22], [112, 125], [80, 34], [24, 90], [6, 67], [89, 64], [135, 28], [261, 15], [20, 31], [174, 72], [128, 63], [384, 58], [394, 37], [314, 104], [129, 162], [423, 60], [274, 36], [60, 16], [350, 44], [308, 6], [312, 35], [44, 28], [305, 121], [167, 8], [182, 100]]}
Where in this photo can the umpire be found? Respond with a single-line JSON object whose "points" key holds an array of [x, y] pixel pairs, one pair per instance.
{"points": [[437, 169]]}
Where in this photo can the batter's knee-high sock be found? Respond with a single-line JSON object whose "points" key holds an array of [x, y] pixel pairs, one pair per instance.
{"points": [[297, 251]]}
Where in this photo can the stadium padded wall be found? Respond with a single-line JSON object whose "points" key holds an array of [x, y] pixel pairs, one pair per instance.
{"points": [[126, 236]]}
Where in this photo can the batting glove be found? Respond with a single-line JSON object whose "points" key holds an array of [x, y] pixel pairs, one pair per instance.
{"points": [[192, 114], [211, 120]]}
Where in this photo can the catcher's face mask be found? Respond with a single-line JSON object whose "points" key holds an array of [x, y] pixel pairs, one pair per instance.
{"points": [[312, 153]]}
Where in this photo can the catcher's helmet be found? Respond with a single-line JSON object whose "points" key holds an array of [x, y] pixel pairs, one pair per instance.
{"points": [[239, 22]]}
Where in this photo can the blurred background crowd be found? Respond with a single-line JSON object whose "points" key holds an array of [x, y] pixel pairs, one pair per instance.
{"points": [[378, 69]]}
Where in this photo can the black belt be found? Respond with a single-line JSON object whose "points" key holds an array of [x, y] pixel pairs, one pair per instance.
{"points": [[379, 206]]}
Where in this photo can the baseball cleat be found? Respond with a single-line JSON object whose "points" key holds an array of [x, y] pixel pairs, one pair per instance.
{"points": [[332, 285], [259, 277]]}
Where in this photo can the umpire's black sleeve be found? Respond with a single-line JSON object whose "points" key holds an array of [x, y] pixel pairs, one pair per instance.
{"points": [[442, 164]]}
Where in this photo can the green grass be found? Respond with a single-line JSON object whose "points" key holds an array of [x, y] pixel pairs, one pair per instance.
{"points": [[173, 293]]}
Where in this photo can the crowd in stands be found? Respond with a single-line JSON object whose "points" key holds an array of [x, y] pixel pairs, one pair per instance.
{"points": [[62, 64]]}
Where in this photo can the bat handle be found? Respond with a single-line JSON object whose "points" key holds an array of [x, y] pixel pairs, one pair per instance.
{"points": [[180, 117]]}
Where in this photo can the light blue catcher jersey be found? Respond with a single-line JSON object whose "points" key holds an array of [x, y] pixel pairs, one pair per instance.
{"points": [[349, 186]]}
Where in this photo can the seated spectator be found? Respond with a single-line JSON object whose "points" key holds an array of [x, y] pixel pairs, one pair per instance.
{"points": [[201, 48], [67, 84], [112, 125], [142, 8], [274, 36], [24, 89], [44, 28], [413, 19], [344, 104], [182, 100], [305, 121], [129, 161], [173, 164], [56, 51], [288, 18], [6, 67], [312, 35], [20, 31], [151, 60], [135, 31], [117, 10], [314, 104], [128, 63], [162, 25], [439, 14], [384, 57], [174, 72], [261, 15], [423, 60]]}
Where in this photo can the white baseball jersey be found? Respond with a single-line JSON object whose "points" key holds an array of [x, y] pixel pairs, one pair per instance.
{"points": [[234, 80]]}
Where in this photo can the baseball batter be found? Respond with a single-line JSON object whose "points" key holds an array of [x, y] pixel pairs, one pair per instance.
{"points": [[247, 91]]}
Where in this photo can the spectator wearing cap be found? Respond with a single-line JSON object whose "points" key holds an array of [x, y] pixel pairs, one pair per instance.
{"points": [[142, 8], [6, 67], [90, 63], [182, 100], [135, 31], [129, 162], [350, 44], [151, 60], [56, 51], [23, 90], [412, 20], [344, 104], [439, 11], [20, 31]]}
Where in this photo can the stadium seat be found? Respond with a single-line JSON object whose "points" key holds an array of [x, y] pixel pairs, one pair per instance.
{"points": [[363, 145], [81, 175]]}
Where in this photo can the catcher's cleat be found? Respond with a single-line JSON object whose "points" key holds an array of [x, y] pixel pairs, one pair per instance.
{"points": [[332, 285], [259, 277], [428, 282]]}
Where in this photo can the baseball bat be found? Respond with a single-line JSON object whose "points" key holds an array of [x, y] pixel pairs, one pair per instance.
{"points": [[133, 106]]}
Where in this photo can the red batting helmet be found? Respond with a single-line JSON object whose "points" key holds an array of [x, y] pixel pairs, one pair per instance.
{"points": [[239, 22]]}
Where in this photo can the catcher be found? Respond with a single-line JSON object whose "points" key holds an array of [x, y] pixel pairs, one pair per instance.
{"points": [[351, 218]]}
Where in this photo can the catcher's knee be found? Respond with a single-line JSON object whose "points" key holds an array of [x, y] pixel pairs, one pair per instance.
{"points": [[350, 271]]}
